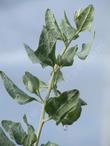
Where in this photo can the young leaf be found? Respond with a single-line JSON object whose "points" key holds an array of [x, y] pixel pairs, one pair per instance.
{"points": [[31, 138], [85, 51], [4, 140], [68, 58], [65, 108], [32, 83], [46, 48], [49, 144], [67, 30], [83, 18], [51, 24], [17, 94], [15, 131]]}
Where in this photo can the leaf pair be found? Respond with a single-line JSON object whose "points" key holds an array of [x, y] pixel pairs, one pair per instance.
{"points": [[17, 133], [65, 108], [17, 94], [33, 84]]}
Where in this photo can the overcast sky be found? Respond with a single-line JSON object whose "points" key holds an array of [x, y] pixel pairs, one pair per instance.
{"points": [[21, 21]]}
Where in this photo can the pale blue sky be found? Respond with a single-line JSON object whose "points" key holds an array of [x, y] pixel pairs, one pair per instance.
{"points": [[21, 21]]}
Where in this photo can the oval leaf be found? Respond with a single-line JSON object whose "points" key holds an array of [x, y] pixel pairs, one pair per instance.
{"points": [[31, 82], [17, 94]]}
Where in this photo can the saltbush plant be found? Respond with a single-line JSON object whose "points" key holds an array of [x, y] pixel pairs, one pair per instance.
{"points": [[63, 107]]}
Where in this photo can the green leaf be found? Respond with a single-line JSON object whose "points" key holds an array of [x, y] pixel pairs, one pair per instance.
{"points": [[84, 18], [68, 57], [31, 54], [85, 51], [4, 140], [46, 48], [49, 144], [17, 94], [51, 24], [15, 131], [67, 30], [32, 83], [31, 138], [65, 108]]}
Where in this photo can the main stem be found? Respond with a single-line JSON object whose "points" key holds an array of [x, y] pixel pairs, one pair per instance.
{"points": [[42, 118]]}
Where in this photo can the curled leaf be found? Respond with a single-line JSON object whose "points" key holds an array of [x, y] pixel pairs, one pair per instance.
{"points": [[65, 108], [85, 51]]}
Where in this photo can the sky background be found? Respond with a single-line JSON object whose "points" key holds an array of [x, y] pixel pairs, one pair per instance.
{"points": [[21, 21]]}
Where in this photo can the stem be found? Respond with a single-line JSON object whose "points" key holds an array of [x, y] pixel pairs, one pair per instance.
{"points": [[66, 46], [42, 118]]}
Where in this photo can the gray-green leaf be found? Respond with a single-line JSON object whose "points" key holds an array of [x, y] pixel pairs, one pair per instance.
{"points": [[83, 18], [65, 108], [4, 140], [67, 30], [17, 94], [32, 83], [46, 48], [15, 131], [85, 51], [49, 144], [51, 24], [68, 57]]}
